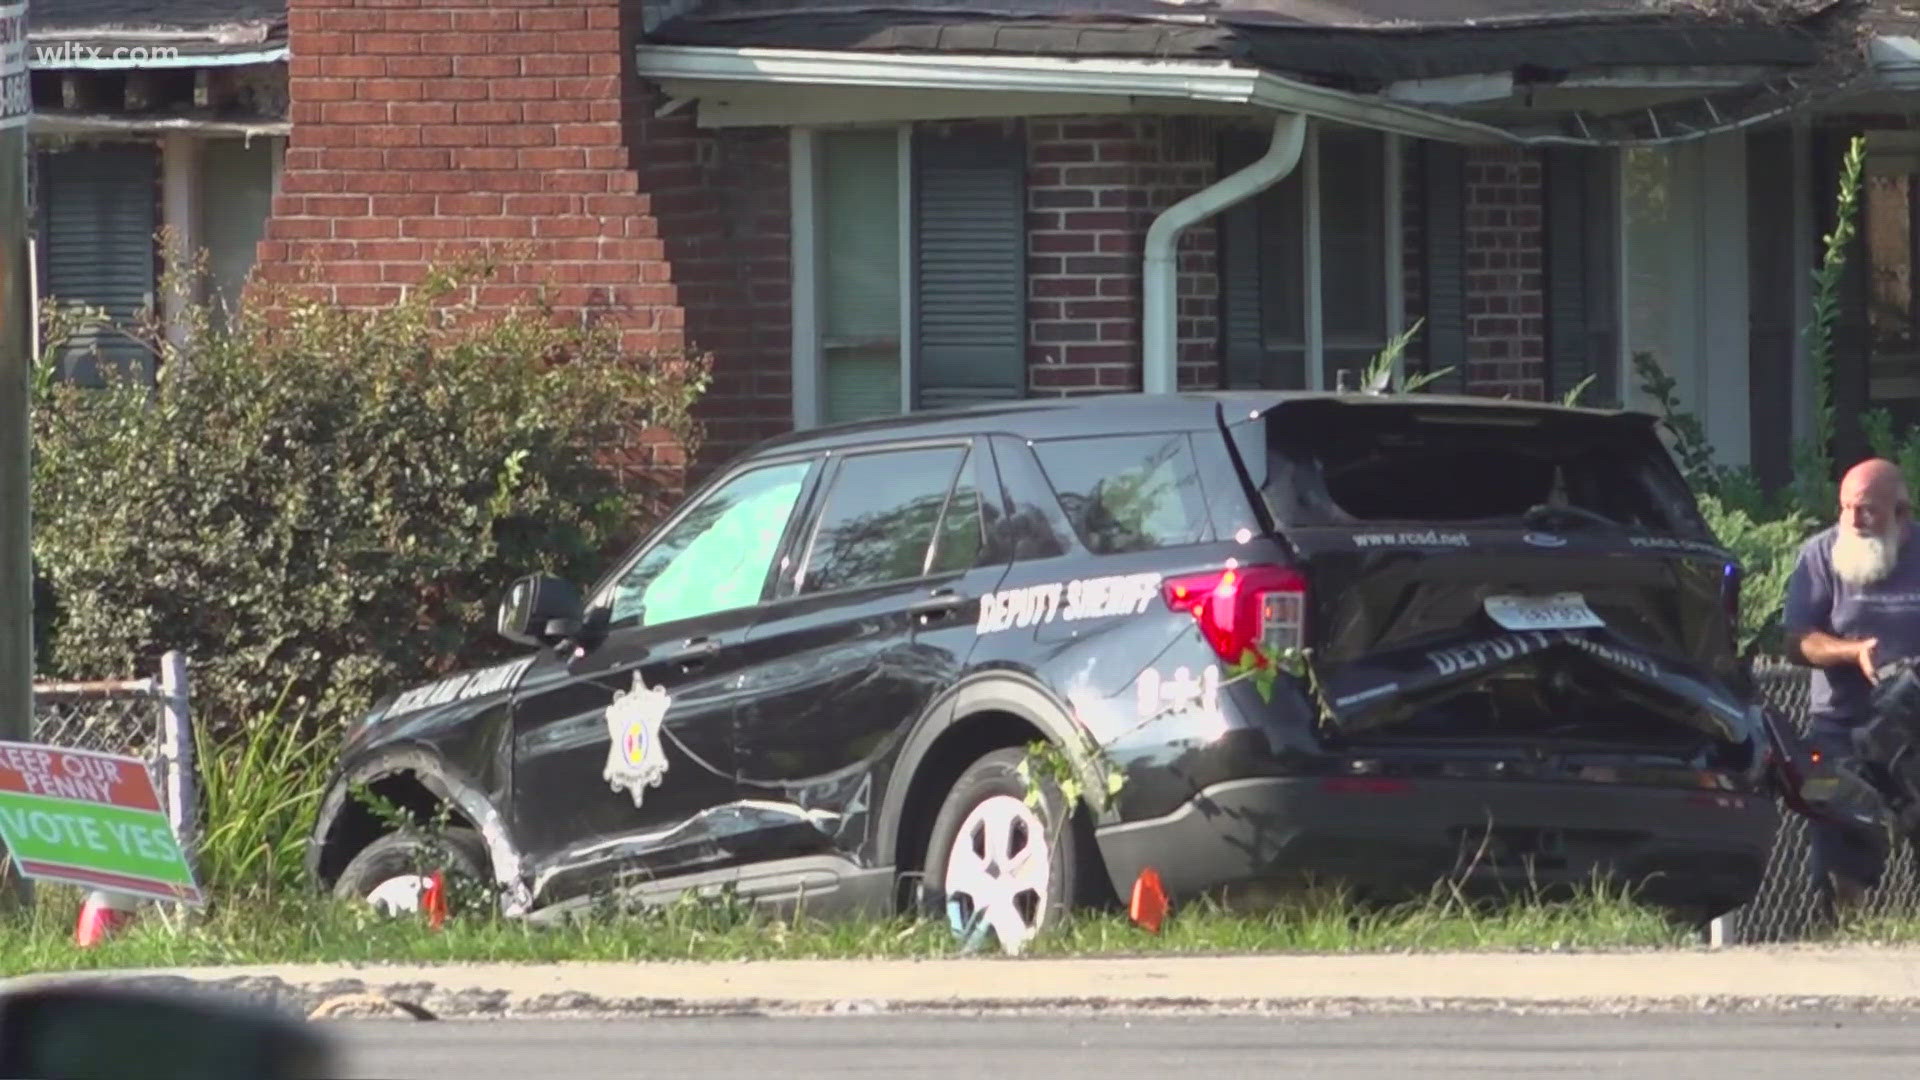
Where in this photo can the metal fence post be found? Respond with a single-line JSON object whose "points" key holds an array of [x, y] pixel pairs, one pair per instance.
{"points": [[176, 743]]}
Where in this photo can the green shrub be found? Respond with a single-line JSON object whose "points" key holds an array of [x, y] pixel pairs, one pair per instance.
{"points": [[1766, 550], [327, 502]]}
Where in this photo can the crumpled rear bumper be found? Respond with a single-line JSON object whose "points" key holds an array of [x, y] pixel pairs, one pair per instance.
{"points": [[1383, 836]]}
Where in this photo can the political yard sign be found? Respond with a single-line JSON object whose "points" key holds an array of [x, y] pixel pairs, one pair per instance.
{"points": [[90, 819]]}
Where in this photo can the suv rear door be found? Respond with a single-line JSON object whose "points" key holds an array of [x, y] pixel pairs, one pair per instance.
{"points": [[1492, 572], [874, 618]]}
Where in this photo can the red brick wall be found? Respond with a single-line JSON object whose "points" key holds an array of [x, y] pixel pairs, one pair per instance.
{"points": [[1094, 187], [423, 128], [1506, 327]]}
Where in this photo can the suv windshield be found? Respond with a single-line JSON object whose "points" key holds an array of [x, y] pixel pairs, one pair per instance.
{"points": [[1331, 463]]}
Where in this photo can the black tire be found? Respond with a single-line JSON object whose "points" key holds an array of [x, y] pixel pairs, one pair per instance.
{"points": [[460, 855], [1075, 877]]}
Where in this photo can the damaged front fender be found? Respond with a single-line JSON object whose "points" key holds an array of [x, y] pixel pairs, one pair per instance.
{"points": [[445, 784]]}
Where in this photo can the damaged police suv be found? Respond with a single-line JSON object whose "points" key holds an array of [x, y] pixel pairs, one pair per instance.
{"points": [[818, 680]]}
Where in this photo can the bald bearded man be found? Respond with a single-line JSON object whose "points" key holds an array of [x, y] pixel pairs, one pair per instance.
{"points": [[1853, 604]]}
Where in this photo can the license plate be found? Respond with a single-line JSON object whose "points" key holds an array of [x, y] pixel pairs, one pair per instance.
{"points": [[1820, 788], [1565, 611]]}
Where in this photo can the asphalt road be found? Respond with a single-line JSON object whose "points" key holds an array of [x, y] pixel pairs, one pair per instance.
{"points": [[1391, 1047]]}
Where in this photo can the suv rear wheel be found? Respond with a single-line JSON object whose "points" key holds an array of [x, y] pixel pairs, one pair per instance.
{"points": [[992, 859]]}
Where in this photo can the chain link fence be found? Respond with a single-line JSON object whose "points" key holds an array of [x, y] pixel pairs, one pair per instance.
{"points": [[1787, 907], [148, 719]]}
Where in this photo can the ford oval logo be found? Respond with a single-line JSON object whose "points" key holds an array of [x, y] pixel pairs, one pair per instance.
{"points": [[1538, 539]]}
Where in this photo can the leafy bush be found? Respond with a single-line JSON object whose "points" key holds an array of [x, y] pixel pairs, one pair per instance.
{"points": [[1766, 550], [325, 502]]}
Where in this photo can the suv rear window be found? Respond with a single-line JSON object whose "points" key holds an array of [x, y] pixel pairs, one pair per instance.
{"points": [[1334, 464], [1127, 492]]}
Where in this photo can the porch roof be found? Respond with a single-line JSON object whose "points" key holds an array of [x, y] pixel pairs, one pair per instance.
{"points": [[156, 33], [1581, 71], [1360, 45]]}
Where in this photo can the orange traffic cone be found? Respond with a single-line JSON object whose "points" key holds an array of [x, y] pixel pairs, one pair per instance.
{"points": [[101, 916], [433, 900], [1149, 906]]}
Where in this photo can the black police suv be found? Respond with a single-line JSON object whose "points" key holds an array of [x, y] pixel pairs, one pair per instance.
{"points": [[816, 682]]}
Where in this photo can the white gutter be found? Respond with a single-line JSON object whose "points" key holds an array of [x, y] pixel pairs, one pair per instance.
{"points": [[68, 124], [1188, 80], [1160, 328], [1896, 59]]}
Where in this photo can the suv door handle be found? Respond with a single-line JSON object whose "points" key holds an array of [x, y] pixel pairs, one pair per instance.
{"points": [[694, 653], [941, 602]]}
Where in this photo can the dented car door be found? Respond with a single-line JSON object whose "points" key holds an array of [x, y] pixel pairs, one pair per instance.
{"points": [[624, 767], [876, 618]]}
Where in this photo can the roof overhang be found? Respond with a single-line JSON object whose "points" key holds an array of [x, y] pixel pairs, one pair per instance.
{"points": [[1887, 88], [732, 85]]}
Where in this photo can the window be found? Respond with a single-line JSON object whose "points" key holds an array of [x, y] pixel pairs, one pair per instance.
{"points": [[1582, 280], [880, 518], [962, 529], [1127, 493], [1887, 230], [861, 351], [917, 250], [1339, 465], [1353, 249], [98, 215], [1336, 203], [1684, 236], [236, 178], [716, 557]]}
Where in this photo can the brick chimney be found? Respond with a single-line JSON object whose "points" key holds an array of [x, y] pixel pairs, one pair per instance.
{"points": [[423, 129]]}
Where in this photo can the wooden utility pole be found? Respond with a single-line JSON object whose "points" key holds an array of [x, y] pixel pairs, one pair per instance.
{"points": [[16, 372]]}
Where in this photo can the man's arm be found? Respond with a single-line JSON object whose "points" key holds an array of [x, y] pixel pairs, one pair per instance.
{"points": [[1807, 620], [1821, 649]]}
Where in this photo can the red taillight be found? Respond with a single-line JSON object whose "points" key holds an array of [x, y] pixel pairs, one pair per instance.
{"points": [[1243, 606]]}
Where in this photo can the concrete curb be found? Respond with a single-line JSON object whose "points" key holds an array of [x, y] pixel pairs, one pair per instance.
{"points": [[1706, 980]]}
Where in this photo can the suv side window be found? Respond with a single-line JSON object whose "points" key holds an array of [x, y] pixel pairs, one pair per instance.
{"points": [[1127, 492], [716, 557], [879, 519], [962, 529]]}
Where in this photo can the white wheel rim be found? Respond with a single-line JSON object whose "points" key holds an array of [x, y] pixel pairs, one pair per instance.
{"points": [[999, 870], [398, 895]]}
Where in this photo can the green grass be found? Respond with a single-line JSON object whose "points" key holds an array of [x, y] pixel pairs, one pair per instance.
{"points": [[289, 930], [260, 793]]}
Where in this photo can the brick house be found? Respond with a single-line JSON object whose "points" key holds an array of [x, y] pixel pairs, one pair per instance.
{"points": [[862, 208], [149, 116]]}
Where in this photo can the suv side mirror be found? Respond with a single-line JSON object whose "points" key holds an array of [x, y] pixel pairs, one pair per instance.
{"points": [[541, 609]]}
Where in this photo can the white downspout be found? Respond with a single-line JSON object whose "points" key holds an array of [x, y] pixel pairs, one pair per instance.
{"points": [[1161, 274]]}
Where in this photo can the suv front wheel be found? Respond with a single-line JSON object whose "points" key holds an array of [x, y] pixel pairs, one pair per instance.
{"points": [[998, 864], [391, 873]]}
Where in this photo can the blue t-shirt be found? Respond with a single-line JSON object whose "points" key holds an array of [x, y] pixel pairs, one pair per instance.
{"points": [[1889, 609]]}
